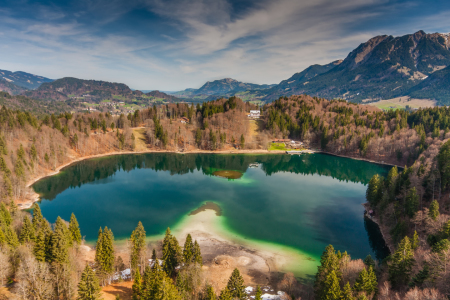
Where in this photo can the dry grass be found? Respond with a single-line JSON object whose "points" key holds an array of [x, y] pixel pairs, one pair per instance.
{"points": [[123, 289], [140, 139]]}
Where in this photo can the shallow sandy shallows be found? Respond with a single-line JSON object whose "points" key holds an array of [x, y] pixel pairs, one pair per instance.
{"points": [[223, 251]]}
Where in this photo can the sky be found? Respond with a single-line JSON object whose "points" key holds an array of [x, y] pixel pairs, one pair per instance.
{"points": [[171, 45]]}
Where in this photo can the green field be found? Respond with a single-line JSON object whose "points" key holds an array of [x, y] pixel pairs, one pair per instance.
{"points": [[277, 146]]}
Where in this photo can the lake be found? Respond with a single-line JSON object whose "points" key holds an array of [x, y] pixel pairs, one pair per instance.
{"points": [[303, 202]]}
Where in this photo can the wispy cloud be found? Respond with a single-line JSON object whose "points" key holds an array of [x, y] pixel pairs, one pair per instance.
{"points": [[174, 44]]}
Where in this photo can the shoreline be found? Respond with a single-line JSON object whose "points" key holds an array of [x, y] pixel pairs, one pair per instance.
{"points": [[386, 236], [216, 239], [32, 197]]}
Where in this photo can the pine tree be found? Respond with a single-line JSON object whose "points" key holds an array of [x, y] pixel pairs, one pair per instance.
{"points": [[242, 141], [2, 237], [329, 261], [401, 263], [171, 253], [197, 254], [108, 254], [137, 286], [332, 290], [98, 247], [209, 293], [347, 293], [137, 240], [225, 294], [374, 190], [154, 254], [366, 282], [433, 213], [236, 285], [59, 243], [368, 261], [39, 246], [38, 219], [258, 295], [88, 287], [412, 203], [5, 215], [27, 233], [11, 237], [74, 229], [188, 250], [415, 241]]}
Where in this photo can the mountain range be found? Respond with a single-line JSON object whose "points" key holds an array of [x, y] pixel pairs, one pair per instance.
{"points": [[222, 87], [384, 67]]}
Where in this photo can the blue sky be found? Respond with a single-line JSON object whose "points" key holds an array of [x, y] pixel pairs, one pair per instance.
{"points": [[175, 44]]}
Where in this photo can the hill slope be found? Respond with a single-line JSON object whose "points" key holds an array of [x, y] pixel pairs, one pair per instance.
{"points": [[23, 79], [10, 87], [436, 86], [223, 87], [383, 67]]}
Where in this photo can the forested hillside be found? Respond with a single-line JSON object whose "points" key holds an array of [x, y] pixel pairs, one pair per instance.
{"points": [[411, 205]]}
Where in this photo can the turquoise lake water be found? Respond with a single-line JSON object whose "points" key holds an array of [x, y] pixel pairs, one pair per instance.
{"points": [[304, 202]]}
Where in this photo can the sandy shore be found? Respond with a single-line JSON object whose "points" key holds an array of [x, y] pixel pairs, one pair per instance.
{"points": [[223, 250]]}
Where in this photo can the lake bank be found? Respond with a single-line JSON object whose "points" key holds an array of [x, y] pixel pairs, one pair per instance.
{"points": [[30, 197]]}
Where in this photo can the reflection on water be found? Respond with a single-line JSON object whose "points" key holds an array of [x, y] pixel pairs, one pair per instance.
{"points": [[305, 202]]}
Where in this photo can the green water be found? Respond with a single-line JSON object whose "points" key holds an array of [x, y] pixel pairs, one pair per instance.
{"points": [[302, 202]]}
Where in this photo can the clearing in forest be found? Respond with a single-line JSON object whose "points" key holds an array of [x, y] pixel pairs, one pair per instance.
{"points": [[402, 102], [140, 139]]}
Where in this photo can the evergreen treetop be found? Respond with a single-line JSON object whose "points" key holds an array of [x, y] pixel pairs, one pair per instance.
{"points": [[236, 285], [88, 287]]}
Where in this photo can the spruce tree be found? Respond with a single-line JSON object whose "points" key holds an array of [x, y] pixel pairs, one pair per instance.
{"points": [[59, 243], [347, 293], [154, 254], [11, 237], [236, 285], [108, 254], [137, 240], [38, 219], [329, 261], [433, 213], [2, 237], [401, 263], [368, 261], [366, 282], [225, 294], [197, 254], [412, 203], [258, 295], [137, 286], [415, 241], [88, 287], [98, 247], [171, 253], [5, 215], [373, 192], [27, 233], [188, 250], [332, 290], [209, 293], [39, 246], [74, 229]]}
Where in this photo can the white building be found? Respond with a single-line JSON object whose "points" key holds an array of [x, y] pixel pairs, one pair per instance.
{"points": [[254, 114]]}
